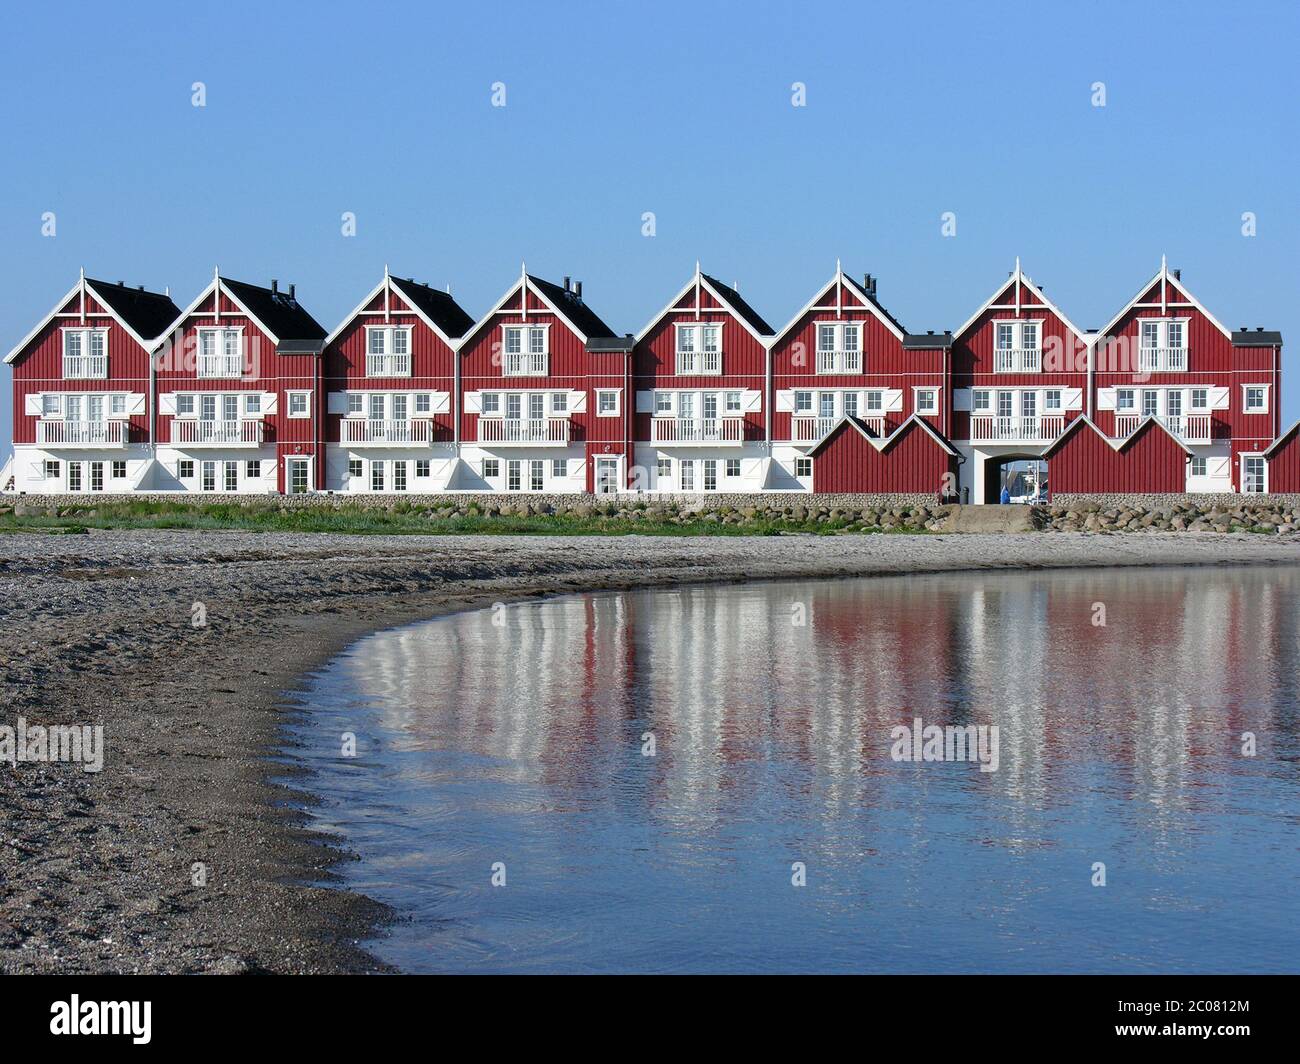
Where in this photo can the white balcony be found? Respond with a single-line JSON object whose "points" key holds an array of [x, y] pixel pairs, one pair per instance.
{"points": [[524, 432], [805, 428], [246, 432], [364, 431], [726, 431], [1190, 428], [220, 367], [1017, 360], [991, 428], [831, 362], [85, 367], [81, 433], [1162, 359], [388, 365]]}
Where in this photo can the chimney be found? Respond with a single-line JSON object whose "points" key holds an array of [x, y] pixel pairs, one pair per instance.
{"points": [[577, 291], [275, 286], [292, 289], [1178, 274], [140, 287], [566, 282]]}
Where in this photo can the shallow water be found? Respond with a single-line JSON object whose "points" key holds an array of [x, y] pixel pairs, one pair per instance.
{"points": [[517, 736]]}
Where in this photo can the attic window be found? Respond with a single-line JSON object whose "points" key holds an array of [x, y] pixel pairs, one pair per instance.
{"points": [[85, 354], [388, 351], [839, 347], [699, 350], [527, 351]]}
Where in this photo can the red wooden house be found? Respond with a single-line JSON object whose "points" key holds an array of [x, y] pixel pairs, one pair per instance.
{"points": [[699, 372], [544, 384], [1165, 356], [1085, 460], [1019, 377], [913, 459], [390, 390], [1281, 469], [81, 390], [240, 403], [845, 355]]}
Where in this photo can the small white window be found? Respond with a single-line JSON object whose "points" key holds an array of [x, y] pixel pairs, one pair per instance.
{"points": [[733, 467], [979, 401], [185, 468], [606, 404], [1256, 401], [663, 402], [733, 402], [299, 404], [253, 470], [51, 405], [356, 403], [421, 467], [117, 404], [253, 404], [875, 402], [803, 468], [51, 469], [1124, 399], [354, 467], [663, 467], [803, 402], [927, 401], [559, 402], [185, 405], [1200, 398], [1198, 466], [491, 403], [559, 467], [423, 404], [1052, 399], [491, 468]]}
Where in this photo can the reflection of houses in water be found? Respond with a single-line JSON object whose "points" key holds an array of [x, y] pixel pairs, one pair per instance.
{"points": [[543, 691]]}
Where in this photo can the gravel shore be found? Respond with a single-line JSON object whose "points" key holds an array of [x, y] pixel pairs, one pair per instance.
{"points": [[96, 869]]}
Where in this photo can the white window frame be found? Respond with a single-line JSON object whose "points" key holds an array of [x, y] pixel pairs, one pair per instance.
{"points": [[1161, 362], [697, 362], [803, 468], [86, 364], [289, 397], [1023, 358], [388, 362], [221, 360], [1263, 479], [1246, 408], [525, 362], [930, 408], [843, 359], [603, 393]]}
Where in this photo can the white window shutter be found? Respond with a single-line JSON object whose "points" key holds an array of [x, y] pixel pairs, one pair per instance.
{"points": [[645, 402], [1218, 398], [578, 402], [38, 471], [751, 401], [167, 403], [473, 402], [1218, 466], [892, 400], [336, 403], [270, 402], [961, 399], [440, 403], [1105, 398], [32, 405], [1072, 398], [785, 401]]}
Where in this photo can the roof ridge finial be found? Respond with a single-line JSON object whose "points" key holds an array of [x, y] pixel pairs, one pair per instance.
{"points": [[838, 268], [1017, 264], [1164, 264], [386, 274], [698, 271]]}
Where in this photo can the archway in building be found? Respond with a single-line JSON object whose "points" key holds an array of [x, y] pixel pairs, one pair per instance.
{"points": [[1024, 476]]}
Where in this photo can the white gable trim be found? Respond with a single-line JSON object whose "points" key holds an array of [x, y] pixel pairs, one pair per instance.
{"points": [[697, 283], [1168, 279], [216, 286], [524, 286], [1020, 280], [839, 279]]}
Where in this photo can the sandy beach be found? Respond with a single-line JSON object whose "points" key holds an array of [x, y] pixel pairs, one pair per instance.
{"points": [[96, 869]]}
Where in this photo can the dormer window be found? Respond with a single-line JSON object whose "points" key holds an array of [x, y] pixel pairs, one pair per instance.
{"points": [[388, 351], [85, 354], [220, 353], [1162, 345], [699, 350], [527, 351], [1017, 347], [839, 347]]}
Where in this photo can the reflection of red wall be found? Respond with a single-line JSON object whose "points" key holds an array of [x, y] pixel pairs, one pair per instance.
{"points": [[1150, 461], [913, 462]]}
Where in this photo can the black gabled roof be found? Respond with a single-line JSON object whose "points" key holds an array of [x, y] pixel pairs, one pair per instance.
{"points": [[438, 307], [870, 297], [614, 344], [1258, 338], [148, 313], [926, 341], [733, 298], [586, 320], [281, 313]]}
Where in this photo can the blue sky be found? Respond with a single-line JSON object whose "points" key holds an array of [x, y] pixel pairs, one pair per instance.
{"points": [[682, 109]]}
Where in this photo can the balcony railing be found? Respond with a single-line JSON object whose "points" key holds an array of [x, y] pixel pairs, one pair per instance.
{"points": [[81, 433], [222, 367], [85, 367], [1192, 428], [806, 428], [839, 361], [399, 433], [246, 432], [542, 432], [1017, 360], [715, 430], [388, 365], [1162, 359], [1016, 428]]}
